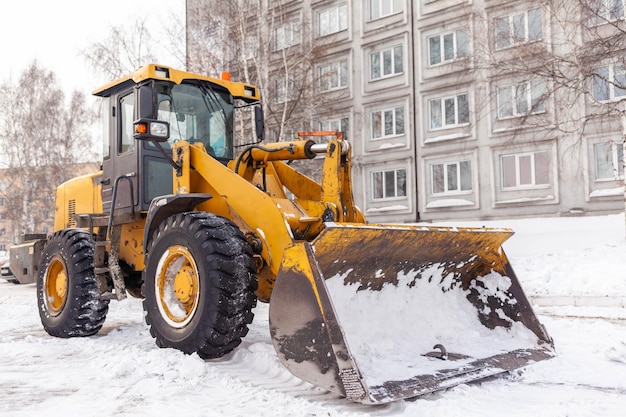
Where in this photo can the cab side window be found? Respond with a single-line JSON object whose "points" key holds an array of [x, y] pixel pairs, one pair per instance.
{"points": [[127, 141]]}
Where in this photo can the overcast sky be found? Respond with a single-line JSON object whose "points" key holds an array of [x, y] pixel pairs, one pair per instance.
{"points": [[54, 33]]}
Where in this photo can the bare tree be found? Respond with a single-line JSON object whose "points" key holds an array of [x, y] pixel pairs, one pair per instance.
{"points": [[123, 51], [263, 43], [583, 37], [43, 139]]}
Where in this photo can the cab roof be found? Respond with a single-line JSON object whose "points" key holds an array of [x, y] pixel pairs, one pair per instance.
{"points": [[238, 90]]}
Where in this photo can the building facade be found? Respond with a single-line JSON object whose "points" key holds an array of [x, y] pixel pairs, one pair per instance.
{"points": [[449, 106]]}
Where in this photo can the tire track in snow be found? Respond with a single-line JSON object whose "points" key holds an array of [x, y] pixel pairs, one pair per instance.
{"points": [[255, 363]]}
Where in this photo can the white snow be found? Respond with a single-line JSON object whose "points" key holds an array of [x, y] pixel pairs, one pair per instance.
{"points": [[607, 192], [442, 138], [449, 202], [426, 316], [121, 372], [387, 208]]}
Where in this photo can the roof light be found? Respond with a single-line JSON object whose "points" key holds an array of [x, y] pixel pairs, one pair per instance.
{"points": [[161, 72], [225, 76]]}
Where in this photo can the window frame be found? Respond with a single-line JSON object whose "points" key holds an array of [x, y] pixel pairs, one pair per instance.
{"points": [[617, 155], [283, 87], [609, 82], [443, 113], [338, 70], [337, 9], [397, 186], [396, 7], [605, 12], [512, 39], [533, 184], [534, 104], [291, 35], [442, 50], [445, 180], [380, 64], [383, 122], [343, 123]]}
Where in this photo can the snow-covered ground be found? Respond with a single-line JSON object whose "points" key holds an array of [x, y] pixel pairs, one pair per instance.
{"points": [[573, 269]]}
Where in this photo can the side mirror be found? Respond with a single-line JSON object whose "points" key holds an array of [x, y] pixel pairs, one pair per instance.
{"points": [[259, 123], [150, 129], [145, 104]]}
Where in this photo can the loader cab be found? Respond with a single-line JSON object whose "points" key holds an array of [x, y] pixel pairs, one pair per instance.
{"points": [[137, 171]]}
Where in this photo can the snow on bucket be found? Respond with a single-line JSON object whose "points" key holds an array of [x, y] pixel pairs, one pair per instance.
{"points": [[378, 313]]}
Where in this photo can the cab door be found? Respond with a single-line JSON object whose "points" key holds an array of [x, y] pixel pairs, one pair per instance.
{"points": [[120, 168]]}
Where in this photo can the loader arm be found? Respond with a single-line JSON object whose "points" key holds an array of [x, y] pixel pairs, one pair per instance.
{"points": [[254, 197], [238, 200]]}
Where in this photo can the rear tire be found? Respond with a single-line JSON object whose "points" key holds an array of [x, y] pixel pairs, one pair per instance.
{"points": [[199, 284], [67, 293]]}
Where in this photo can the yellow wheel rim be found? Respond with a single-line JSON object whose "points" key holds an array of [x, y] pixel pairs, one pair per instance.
{"points": [[177, 286], [55, 286]]}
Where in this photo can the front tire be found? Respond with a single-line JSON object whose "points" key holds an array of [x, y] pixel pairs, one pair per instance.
{"points": [[199, 284], [67, 293]]}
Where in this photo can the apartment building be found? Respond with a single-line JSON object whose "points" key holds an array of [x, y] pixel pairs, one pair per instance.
{"points": [[449, 106]]}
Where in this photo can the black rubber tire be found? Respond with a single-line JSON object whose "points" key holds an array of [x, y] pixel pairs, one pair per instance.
{"points": [[67, 293], [215, 256]]}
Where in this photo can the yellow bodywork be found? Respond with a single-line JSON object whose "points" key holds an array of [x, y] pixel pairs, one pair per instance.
{"points": [[83, 195], [78, 195], [159, 72]]}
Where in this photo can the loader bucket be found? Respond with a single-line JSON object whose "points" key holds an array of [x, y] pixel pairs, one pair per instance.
{"points": [[378, 313]]}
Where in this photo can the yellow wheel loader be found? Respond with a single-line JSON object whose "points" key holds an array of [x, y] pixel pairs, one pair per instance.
{"points": [[373, 312]]}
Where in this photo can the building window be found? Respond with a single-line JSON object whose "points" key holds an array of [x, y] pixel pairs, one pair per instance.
{"points": [[604, 11], [388, 184], [333, 76], [332, 20], [451, 178], [449, 112], [519, 28], [387, 123], [521, 99], [609, 158], [283, 89], [447, 47], [341, 125], [386, 63], [287, 35], [382, 8], [524, 170], [252, 47], [609, 83]]}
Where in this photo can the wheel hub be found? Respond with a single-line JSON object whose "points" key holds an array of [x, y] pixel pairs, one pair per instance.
{"points": [[177, 286], [184, 284], [55, 286]]}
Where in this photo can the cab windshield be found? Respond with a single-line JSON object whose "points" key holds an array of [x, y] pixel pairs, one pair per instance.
{"points": [[198, 113]]}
